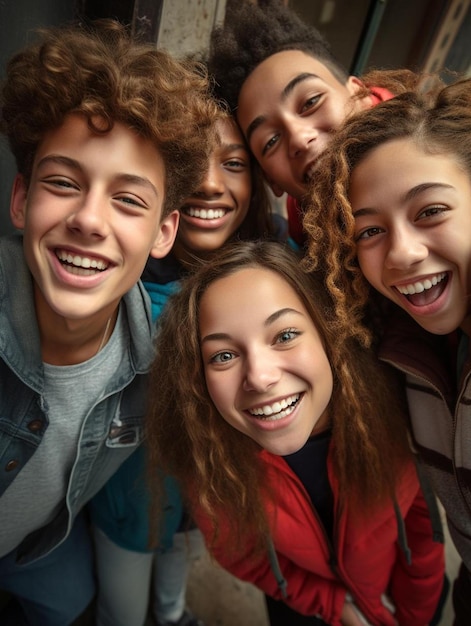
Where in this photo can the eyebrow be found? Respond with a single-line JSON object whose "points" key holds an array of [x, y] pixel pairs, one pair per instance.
{"points": [[287, 90], [75, 165], [407, 197], [230, 147], [270, 320], [418, 189], [141, 181], [60, 160]]}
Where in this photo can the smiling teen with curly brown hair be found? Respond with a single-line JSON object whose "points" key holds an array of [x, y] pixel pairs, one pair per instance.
{"points": [[289, 441], [108, 136]]}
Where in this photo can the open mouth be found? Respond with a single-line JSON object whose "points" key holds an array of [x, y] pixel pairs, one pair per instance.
{"points": [[204, 214], [278, 410], [81, 265], [424, 292]]}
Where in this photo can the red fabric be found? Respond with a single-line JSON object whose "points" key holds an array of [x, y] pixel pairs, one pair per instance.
{"points": [[295, 226], [378, 94], [366, 557]]}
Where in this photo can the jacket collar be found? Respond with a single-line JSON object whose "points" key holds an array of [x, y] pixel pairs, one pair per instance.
{"points": [[19, 333], [412, 349]]}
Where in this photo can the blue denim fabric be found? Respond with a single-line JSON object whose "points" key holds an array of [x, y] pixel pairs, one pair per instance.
{"points": [[112, 429], [54, 590]]}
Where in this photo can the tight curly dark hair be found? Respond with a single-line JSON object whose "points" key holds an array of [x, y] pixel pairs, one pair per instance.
{"points": [[251, 33], [102, 73]]}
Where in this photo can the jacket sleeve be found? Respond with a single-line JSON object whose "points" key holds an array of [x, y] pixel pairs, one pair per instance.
{"points": [[416, 587], [306, 592]]}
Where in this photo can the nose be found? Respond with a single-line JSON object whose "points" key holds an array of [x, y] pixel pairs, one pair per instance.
{"points": [[405, 249], [89, 216], [300, 134], [213, 181], [261, 372]]}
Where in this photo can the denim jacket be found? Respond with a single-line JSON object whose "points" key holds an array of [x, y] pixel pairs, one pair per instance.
{"points": [[111, 430], [121, 508]]}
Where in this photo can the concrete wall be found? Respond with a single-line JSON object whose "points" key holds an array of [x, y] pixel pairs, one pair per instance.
{"points": [[186, 24]]}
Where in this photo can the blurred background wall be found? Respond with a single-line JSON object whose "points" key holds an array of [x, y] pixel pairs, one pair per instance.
{"points": [[421, 35]]}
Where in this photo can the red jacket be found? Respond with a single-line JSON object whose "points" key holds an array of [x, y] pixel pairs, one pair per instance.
{"points": [[364, 560]]}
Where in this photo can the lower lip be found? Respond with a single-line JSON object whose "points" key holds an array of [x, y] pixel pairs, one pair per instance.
{"points": [[276, 424]]}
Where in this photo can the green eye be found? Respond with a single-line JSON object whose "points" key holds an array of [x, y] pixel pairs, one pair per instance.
{"points": [[287, 335], [222, 357]]}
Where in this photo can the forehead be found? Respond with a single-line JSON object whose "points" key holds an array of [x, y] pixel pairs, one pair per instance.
{"points": [[269, 79], [229, 132], [397, 166], [119, 151], [253, 289]]}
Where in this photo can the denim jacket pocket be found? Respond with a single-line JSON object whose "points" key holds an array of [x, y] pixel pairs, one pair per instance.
{"points": [[126, 429]]}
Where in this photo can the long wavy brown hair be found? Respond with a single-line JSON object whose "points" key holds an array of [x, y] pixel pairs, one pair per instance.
{"points": [[438, 122], [102, 73], [218, 467]]}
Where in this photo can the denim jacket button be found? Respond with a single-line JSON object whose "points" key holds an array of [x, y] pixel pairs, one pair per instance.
{"points": [[11, 465], [35, 425]]}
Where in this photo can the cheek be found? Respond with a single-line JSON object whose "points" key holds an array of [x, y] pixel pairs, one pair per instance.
{"points": [[218, 390], [332, 117], [369, 267], [245, 192], [140, 244], [243, 200], [325, 375], [37, 222]]}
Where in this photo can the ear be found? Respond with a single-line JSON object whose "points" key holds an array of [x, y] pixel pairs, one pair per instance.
{"points": [[18, 198], [354, 85], [166, 235]]}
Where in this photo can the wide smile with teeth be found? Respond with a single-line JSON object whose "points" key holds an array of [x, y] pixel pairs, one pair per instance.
{"points": [[277, 410], [205, 214], [420, 286], [81, 265]]}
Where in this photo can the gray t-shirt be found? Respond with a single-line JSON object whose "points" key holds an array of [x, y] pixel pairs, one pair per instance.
{"points": [[37, 493]]}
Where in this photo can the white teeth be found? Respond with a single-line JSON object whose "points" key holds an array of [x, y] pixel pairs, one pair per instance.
{"points": [[76, 261], [418, 287], [205, 214], [277, 410]]}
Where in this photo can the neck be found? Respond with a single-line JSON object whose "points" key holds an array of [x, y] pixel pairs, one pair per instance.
{"points": [[190, 258], [71, 341]]}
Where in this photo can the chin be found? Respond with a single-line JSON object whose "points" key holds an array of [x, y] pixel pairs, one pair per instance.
{"points": [[283, 449]]}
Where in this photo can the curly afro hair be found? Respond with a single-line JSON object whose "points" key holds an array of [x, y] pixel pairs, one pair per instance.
{"points": [[251, 33]]}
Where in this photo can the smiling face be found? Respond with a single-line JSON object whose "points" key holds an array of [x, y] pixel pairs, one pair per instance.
{"points": [[288, 107], [91, 215], [265, 366], [413, 222], [210, 216]]}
